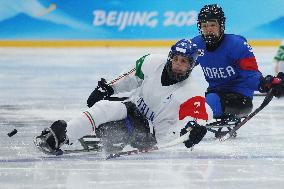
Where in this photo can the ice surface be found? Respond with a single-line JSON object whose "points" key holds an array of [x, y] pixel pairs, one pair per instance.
{"points": [[39, 86]]}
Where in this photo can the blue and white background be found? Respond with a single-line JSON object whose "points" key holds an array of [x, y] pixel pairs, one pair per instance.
{"points": [[133, 19]]}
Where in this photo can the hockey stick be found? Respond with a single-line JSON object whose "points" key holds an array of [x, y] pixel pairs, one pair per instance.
{"points": [[260, 94], [175, 142], [212, 130], [122, 76], [113, 98], [265, 102]]}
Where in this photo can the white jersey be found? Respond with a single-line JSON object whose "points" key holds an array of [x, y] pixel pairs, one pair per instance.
{"points": [[165, 107], [160, 104], [279, 59]]}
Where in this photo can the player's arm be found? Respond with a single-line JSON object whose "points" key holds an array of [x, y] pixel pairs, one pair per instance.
{"points": [[280, 53], [134, 79], [279, 58], [196, 108], [253, 77], [123, 83], [246, 61]]}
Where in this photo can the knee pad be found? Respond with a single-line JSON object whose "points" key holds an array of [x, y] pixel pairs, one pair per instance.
{"points": [[236, 104], [141, 136]]}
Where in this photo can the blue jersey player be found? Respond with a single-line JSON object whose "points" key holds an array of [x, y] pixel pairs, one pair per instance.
{"points": [[229, 66]]}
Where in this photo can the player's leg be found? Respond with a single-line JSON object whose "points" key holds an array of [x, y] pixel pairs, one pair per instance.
{"points": [[229, 104], [60, 132], [236, 104], [141, 136], [228, 109], [133, 130]]}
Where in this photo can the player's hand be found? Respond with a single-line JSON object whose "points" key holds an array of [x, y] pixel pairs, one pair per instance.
{"points": [[196, 134], [275, 83], [101, 92], [278, 85], [265, 84]]}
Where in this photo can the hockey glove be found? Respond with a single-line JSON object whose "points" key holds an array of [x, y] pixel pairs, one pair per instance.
{"points": [[265, 83], [278, 85], [275, 83], [196, 134], [101, 92]]}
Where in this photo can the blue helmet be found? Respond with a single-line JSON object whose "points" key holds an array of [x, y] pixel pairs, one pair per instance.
{"points": [[187, 49]]}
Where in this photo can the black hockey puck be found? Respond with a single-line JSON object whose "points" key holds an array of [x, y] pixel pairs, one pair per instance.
{"points": [[12, 133]]}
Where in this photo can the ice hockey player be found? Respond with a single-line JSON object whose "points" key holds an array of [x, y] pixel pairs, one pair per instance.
{"points": [[229, 67], [151, 114], [279, 59]]}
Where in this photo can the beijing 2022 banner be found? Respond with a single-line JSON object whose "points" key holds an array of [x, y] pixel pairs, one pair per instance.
{"points": [[133, 19]]}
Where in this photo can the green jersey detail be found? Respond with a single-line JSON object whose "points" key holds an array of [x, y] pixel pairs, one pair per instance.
{"points": [[280, 54], [139, 63]]}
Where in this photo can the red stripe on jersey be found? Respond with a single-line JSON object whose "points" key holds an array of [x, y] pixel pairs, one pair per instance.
{"points": [[193, 107], [90, 120], [248, 64]]}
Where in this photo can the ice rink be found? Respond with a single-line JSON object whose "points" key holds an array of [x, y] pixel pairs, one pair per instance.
{"points": [[39, 86]]}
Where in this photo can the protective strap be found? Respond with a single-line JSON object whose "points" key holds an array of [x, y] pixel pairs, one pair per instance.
{"points": [[128, 125]]}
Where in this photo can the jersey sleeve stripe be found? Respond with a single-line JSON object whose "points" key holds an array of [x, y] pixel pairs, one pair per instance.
{"points": [[139, 73], [90, 118], [248, 64]]}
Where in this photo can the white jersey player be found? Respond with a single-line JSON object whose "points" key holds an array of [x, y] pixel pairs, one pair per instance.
{"points": [[279, 59], [151, 114]]}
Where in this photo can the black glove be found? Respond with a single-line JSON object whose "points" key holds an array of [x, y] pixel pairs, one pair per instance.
{"points": [[196, 134], [275, 83], [278, 85], [265, 84], [102, 91]]}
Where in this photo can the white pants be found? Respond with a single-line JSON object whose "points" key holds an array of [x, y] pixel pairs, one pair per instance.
{"points": [[102, 112]]}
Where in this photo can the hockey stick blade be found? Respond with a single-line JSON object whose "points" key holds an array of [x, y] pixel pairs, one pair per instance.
{"points": [[81, 151], [175, 142], [260, 94], [131, 152], [265, 102]]}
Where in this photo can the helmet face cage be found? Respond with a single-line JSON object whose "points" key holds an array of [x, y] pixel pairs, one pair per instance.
{"points": [[209, 13], [175, 53], [184, 48]]}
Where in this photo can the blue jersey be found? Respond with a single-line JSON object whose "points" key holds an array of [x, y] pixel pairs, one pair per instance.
{"points": [[232, 67]]}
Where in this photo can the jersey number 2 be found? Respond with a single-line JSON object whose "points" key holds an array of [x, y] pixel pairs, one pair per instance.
{"points": [[193, 107]]}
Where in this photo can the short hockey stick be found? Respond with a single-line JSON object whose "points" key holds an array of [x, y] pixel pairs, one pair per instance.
{"points": [[114, 98], [122, 76], [175, 142], [265, 102], [260, 94]]}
